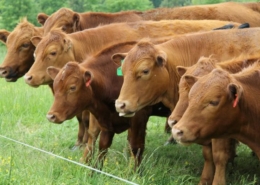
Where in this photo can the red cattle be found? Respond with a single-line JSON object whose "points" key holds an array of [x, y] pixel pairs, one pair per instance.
{"points": [[94, 85], [224, 149], [70, 21], [222, 105]]}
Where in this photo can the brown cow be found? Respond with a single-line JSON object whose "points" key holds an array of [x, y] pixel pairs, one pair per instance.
{"points": [[149, 70], [94, 85], [57, 48], [224, 149], [222, 105], [70, 21], [19, 57]]}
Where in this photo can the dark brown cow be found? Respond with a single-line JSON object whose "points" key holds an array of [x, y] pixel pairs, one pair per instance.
{"points": [[57, 48], [94, 85], [222, 105], [224, 149], [70, 21]]}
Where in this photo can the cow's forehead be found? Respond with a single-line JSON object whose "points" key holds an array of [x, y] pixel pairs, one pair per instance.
{"points": [[50, 38], [22, 31], [215, 81]]}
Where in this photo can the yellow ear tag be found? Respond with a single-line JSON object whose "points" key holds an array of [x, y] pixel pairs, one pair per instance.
{"points": [[119, 70]]}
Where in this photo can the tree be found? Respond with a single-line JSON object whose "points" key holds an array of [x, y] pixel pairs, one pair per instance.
{"points": [[123, 5], [156, 3], [174, 3], [13, 11]]}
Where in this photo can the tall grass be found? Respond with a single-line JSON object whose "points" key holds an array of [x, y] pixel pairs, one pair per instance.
{"points": [[22, 117]]}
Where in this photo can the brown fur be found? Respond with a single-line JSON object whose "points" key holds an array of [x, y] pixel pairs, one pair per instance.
{"points": [[242, 120], [71, 21], [97, 38]]}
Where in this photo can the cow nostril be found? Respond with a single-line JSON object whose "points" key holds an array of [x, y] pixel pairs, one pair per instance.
{"points": [[4, 72], [51, 117], [122, 106], [179, 133], [171, 123], [29, 78]]}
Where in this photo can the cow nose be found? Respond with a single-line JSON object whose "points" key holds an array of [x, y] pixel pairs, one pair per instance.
{"points": [[51, 117], [177, 133], [28, 78], [120, 105], [171, 123], [3, 72]]}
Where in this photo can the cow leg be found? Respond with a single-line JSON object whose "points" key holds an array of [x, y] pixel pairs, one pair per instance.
{"points": [[81, 132], [224, 150], [105, 141], [209, 167], [93, 132]]}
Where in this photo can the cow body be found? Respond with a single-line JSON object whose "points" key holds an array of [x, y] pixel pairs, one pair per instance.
{"points": [[70, 21], [149, 70], [224, 149], [57, 48], [94, 85], [215, 94]]}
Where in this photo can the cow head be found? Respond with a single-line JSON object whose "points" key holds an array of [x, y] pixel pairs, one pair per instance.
{"points": [[64, 19], [204, 66], [145, 78], [72, 91], [55, 49], [212, 109], [19, 57]]}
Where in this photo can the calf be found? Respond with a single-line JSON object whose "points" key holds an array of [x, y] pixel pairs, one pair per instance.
{"points": [[213, 96], [224, 149]]}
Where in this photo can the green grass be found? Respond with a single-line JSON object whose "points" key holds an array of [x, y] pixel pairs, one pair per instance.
{"points": [[22, 117]]}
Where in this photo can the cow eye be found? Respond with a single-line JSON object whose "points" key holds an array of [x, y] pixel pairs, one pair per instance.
{"points": [[64, 28], [146, 71], [214, 103], [53, 53], [25, 45], [72, 88]]}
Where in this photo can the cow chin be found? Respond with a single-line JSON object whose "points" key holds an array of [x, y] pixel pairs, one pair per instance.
{"points": [[10, 79], [122, 114]]}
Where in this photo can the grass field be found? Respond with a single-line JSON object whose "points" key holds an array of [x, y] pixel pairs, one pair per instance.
{"points": [[22, 117]]}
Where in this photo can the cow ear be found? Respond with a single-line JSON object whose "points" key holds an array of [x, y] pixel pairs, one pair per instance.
{"points": [[181, 70], [161, 58], [190, 79], [118, 57], [35, 40], [3, 35], [42, 17], [88, 78], [76, 19], [52, 72], [67, 44], [235, 92]]}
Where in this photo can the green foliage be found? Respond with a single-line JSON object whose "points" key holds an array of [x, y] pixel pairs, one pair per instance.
{"points": [[174, 3], [156, 3], [123, 5], [13, 11]]}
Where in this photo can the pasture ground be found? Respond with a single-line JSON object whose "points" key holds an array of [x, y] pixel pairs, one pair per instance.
{"points": [[22, 117]]}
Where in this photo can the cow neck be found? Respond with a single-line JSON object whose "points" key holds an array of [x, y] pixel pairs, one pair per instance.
{"points": [[249, 105], [97, 38]]}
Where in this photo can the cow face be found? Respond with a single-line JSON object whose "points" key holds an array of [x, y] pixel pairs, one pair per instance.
{"points": [[72, 92], [204, 66], [19, 57], [64, 19], [213, 108], [145, 79], [52, 50]]}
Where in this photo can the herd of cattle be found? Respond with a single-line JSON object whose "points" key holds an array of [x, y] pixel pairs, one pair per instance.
{"points": [[185, 63]]}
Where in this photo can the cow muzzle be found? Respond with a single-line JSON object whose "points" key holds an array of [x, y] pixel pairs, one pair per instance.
{"points": [[121, 108], [52, 117]]}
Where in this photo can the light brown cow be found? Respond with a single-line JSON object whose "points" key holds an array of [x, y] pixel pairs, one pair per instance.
{"points": [[224, 149], [19, 57], [70, 21], [149, 70], [57, 48], [222, 105]]}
